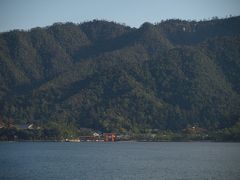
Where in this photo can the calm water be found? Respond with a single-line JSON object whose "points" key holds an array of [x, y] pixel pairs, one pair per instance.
{"points": [[122, 160]]}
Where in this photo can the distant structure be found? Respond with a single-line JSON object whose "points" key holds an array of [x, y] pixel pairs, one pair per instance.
{"points": [[1, 125], [109, 137], [96, 135], [25, 126], [99, 137]]}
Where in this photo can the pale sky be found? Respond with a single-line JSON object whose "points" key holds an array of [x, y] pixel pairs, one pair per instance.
{"points": [[26, 14]]}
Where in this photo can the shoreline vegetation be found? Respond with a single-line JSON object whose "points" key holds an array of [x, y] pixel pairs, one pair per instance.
{"points": [[53, 134]]}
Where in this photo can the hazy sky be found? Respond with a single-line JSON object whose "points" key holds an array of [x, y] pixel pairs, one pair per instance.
{"points": [[25, 14]]}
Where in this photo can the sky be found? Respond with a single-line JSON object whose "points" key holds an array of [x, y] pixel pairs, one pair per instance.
{"points": [[26, 14]]}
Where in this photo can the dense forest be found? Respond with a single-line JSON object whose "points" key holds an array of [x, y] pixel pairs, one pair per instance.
{"points": [[107, 76]]}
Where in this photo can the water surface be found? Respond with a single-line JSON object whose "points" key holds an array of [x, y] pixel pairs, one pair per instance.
{"points": [[121, 160]]}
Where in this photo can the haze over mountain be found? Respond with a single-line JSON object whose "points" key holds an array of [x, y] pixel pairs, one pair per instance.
{"points": [[107, 76]]}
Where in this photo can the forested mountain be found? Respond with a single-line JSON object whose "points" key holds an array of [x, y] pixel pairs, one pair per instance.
{"points": [[111, 77]]}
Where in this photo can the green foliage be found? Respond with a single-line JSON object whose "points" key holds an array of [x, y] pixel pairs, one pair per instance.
{"points": [[106, 76]]}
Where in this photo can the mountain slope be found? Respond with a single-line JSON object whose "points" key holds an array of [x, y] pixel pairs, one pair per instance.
{"points": [[111, 77]]}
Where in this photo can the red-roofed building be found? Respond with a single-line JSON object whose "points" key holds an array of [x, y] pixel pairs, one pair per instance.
{"points": [[109, 137]]}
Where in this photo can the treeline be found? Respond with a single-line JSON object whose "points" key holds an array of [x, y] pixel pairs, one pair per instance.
{"points": [[13, 134], [51, 132]]}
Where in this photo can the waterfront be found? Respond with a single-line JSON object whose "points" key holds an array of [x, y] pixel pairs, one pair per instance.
{"points": [[119, 160]]}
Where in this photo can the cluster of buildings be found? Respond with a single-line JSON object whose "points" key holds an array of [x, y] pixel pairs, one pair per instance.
{"points": [[95, 137]]}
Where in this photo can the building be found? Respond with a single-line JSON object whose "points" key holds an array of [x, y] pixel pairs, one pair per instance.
{"points": [[109, 137], [25, 126], [96, 135]]}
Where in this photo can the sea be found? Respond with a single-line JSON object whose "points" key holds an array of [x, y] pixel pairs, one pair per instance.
{"points": [[119, 160]]}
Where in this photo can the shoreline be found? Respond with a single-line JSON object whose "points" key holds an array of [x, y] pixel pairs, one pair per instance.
{"points": [[130, 141]]}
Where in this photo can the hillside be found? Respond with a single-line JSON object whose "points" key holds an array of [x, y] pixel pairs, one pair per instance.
{"points": [[110, 77]]}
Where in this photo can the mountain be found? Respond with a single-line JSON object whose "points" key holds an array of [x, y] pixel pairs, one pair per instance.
{"points": [[108, 76]]}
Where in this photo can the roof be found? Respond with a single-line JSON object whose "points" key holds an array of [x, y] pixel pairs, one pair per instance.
{"points": [[109, 134], [25, 126]]}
